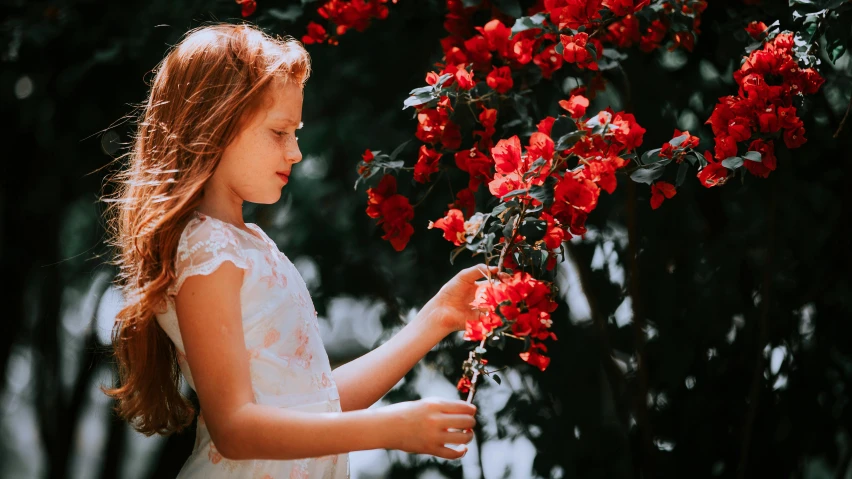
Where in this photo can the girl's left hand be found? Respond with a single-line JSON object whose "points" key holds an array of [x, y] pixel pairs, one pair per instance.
{"points": [[450, 309]]}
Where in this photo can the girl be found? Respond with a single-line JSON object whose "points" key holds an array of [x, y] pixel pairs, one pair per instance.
{"points": [[211, 298]]}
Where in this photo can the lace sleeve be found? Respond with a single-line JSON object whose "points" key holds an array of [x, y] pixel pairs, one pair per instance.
{"points": [[204, 245]]}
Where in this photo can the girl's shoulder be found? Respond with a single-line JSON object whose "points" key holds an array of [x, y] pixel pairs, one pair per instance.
{"points": [[204, 244]]}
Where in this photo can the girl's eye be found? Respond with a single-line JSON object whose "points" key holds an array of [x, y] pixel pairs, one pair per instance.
{"points": [[279, 133]]}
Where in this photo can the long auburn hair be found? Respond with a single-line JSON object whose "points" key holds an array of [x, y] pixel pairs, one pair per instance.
{"points": [[202, 91]]}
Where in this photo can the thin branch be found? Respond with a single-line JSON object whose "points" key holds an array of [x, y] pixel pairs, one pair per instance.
{"points": [[843, 121], [763, 336], [642, 416]]}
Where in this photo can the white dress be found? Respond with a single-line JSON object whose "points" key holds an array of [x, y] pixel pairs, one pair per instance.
{"points": [[289, 364]]}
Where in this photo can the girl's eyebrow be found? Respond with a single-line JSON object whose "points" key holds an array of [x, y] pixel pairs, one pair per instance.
{"points": [[289, 121]]}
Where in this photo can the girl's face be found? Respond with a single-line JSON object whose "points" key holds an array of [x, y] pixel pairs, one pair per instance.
{"points": [[257, 163]]}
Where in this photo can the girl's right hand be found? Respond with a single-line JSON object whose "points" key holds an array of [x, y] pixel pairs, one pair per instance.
{"points": [[424, 426]]}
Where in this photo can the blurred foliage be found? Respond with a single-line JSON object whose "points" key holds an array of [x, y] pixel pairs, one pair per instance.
{"points": [[744, 291]]}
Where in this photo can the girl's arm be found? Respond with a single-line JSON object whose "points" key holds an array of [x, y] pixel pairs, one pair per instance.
{"points": [[209, 317], [363, 381]]}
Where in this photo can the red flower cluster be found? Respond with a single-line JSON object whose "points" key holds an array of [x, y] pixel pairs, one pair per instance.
{"points": [[393, 210], [345, 15], [660, 191], [434, 125], [763, 109], [247, 7], [520, 300]]}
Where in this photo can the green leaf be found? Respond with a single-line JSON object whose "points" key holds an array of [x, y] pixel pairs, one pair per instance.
{"points": [[398, 150], [562, 126], [533, 168], [509, 227], [544, 193], [291, 14], [646, 157], [510, 7], [418, 100], [650, 173], [733, 162], [471, 3], [567, 141], [753, 156], [423, 89], [514, 193], [526, 23], [681, 173], [676, 141]]}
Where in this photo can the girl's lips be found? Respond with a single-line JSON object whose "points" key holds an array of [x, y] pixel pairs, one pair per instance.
{"points": [[284, 177]]}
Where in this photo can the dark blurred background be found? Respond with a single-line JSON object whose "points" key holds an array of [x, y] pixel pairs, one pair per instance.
{"points": [[742, 292]]}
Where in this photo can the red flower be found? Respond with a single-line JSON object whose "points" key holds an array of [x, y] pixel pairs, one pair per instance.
{"points": [[601, 171], [713, 174], [453, 226], [476, 164], [767, 158], [427, 163], [794, 137], [624, 32], [520, 299], [434, 126], [464, 384], [477, 51], [248, 7], [555, 234], [367, 157], [500, 79], [507, 155], [546, 125], [787, 117], [757, 30], [487, 118], [396, 214], [465, 201], [548, 60], [532, 357], [660, 191], [541, 146], [464, 78], [574, 198], [654, 34], [522, 46], [316, 34], [576, 105], [393, 210], [683, 39], [628, 133], [689, 142], [376, 196], [726, 147], [575, 50], [497, 36], [573, 13], [624, 7], [768, 120], [355, 14]]}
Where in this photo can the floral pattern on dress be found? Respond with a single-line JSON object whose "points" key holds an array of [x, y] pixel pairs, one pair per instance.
{"points": [[288, 364]]}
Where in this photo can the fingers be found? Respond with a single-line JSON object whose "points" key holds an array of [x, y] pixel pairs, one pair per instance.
{"points": [[448, 453], [458, 407], [459, 422], [480, 271], [457, 437]]}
